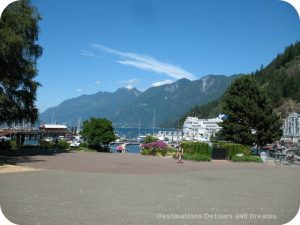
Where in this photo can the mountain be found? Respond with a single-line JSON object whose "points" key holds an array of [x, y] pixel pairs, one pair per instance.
{"points": [[170, 101], [102, 104], [280, 79], [126, 107]]}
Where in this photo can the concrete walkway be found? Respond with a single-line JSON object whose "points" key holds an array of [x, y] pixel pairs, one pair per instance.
{"points": [[99, 188]]}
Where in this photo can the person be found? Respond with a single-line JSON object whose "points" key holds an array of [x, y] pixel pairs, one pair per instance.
{"points": [[180, 153], [119, 148], [177, 151], [275, 146], [124, 148]]}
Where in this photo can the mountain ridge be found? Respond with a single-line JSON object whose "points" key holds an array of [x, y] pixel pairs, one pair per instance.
{"points": [[280, 79], [126, 107]]}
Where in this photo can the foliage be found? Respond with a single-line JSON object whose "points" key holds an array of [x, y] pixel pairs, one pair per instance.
{"points": [[197, 157], [247, 158], [18, 62], [280, 80], [97, 132], [5, 145], [158, 148], [46, 144], [150, 139], [155, 145], [14, 144], [250, 116], [234, 149], [63, 145], [196, 151]]}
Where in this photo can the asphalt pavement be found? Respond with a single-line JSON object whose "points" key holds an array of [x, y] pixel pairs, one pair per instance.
{"points": [[135, 190]]}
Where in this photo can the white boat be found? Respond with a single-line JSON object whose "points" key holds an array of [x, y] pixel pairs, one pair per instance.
{"points": [[3, 138], [75, 144], [141, 138]]}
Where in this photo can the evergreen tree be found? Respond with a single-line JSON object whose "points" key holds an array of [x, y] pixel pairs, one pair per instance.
{"points": [[18, 57], [250, 117], [97, 132]]}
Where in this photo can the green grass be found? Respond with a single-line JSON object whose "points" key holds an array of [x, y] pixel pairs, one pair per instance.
{"points": [[246, 158], [196, 157]]}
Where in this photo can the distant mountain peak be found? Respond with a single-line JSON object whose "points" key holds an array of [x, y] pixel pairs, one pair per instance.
{"points": [[128, 88], [126, 105]]}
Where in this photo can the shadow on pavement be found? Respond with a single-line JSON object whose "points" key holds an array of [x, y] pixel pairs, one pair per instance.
{"points": [[17, 160], [15, 157]]}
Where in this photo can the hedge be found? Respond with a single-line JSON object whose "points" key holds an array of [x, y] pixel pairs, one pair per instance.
{"points": [[234, 149], [246, 158], [196, 151]]}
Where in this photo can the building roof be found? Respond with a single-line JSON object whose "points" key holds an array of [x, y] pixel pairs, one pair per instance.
{"points": [[54, 126]]}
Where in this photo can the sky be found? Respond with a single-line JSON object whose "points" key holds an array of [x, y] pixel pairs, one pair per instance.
{"points": [[100, 45]]}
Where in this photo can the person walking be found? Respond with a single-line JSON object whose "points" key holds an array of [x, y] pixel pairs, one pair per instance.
{"points": [[180, 153]]}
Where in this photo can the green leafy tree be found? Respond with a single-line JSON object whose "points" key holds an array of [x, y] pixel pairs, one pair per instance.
{"points": [[97, 132], [19, 52], [149, 139], [250, 117]]}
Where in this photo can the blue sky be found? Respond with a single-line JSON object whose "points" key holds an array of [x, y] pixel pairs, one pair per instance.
{"points": [[101, 45]]}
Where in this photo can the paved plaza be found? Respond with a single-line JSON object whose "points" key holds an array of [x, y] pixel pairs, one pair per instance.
{"points": [[113, 189]]}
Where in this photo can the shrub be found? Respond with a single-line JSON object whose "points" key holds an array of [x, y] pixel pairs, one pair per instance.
{"points": [[196, 151], [196, 157], [155, 145], [149, 139], [246, 158], [14, 144], [154, 148], [5, 145], [145, 152], [63, 145], [83, 145], [234, 149], [158, 148], [46, 144]]}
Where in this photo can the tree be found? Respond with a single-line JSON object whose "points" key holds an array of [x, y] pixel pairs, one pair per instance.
{"points": [[250, 116], [149, 139], [97, 132], [18, 58]]}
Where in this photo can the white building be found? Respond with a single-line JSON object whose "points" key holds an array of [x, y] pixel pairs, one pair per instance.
{"points": [[170, 136], [201, 129], [291, 127]]}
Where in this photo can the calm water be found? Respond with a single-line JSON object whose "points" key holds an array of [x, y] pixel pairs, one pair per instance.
{"points": [[133, 133], [130, 133]]}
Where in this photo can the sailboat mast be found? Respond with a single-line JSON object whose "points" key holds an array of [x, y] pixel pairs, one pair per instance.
{"points": [[139, 126], [153, 121]]}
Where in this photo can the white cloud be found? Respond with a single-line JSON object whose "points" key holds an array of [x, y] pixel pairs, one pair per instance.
{"points": [[98, 82], [90, 54], [147, 63], [156, 84], [129, 86], [129, 83], [79, 90]]}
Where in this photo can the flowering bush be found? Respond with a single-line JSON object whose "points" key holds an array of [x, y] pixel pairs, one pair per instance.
{"points": [[155, 145], [154, 148]]}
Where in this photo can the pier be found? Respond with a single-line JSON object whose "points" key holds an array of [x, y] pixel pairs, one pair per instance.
{"points": [[21, 134]]}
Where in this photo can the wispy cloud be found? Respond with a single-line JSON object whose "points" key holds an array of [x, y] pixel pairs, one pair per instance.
{"points": [[156, 84], [147, 63], [129, 86], [98, 82], [90, 54], [129, 83], [79, 90]]}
